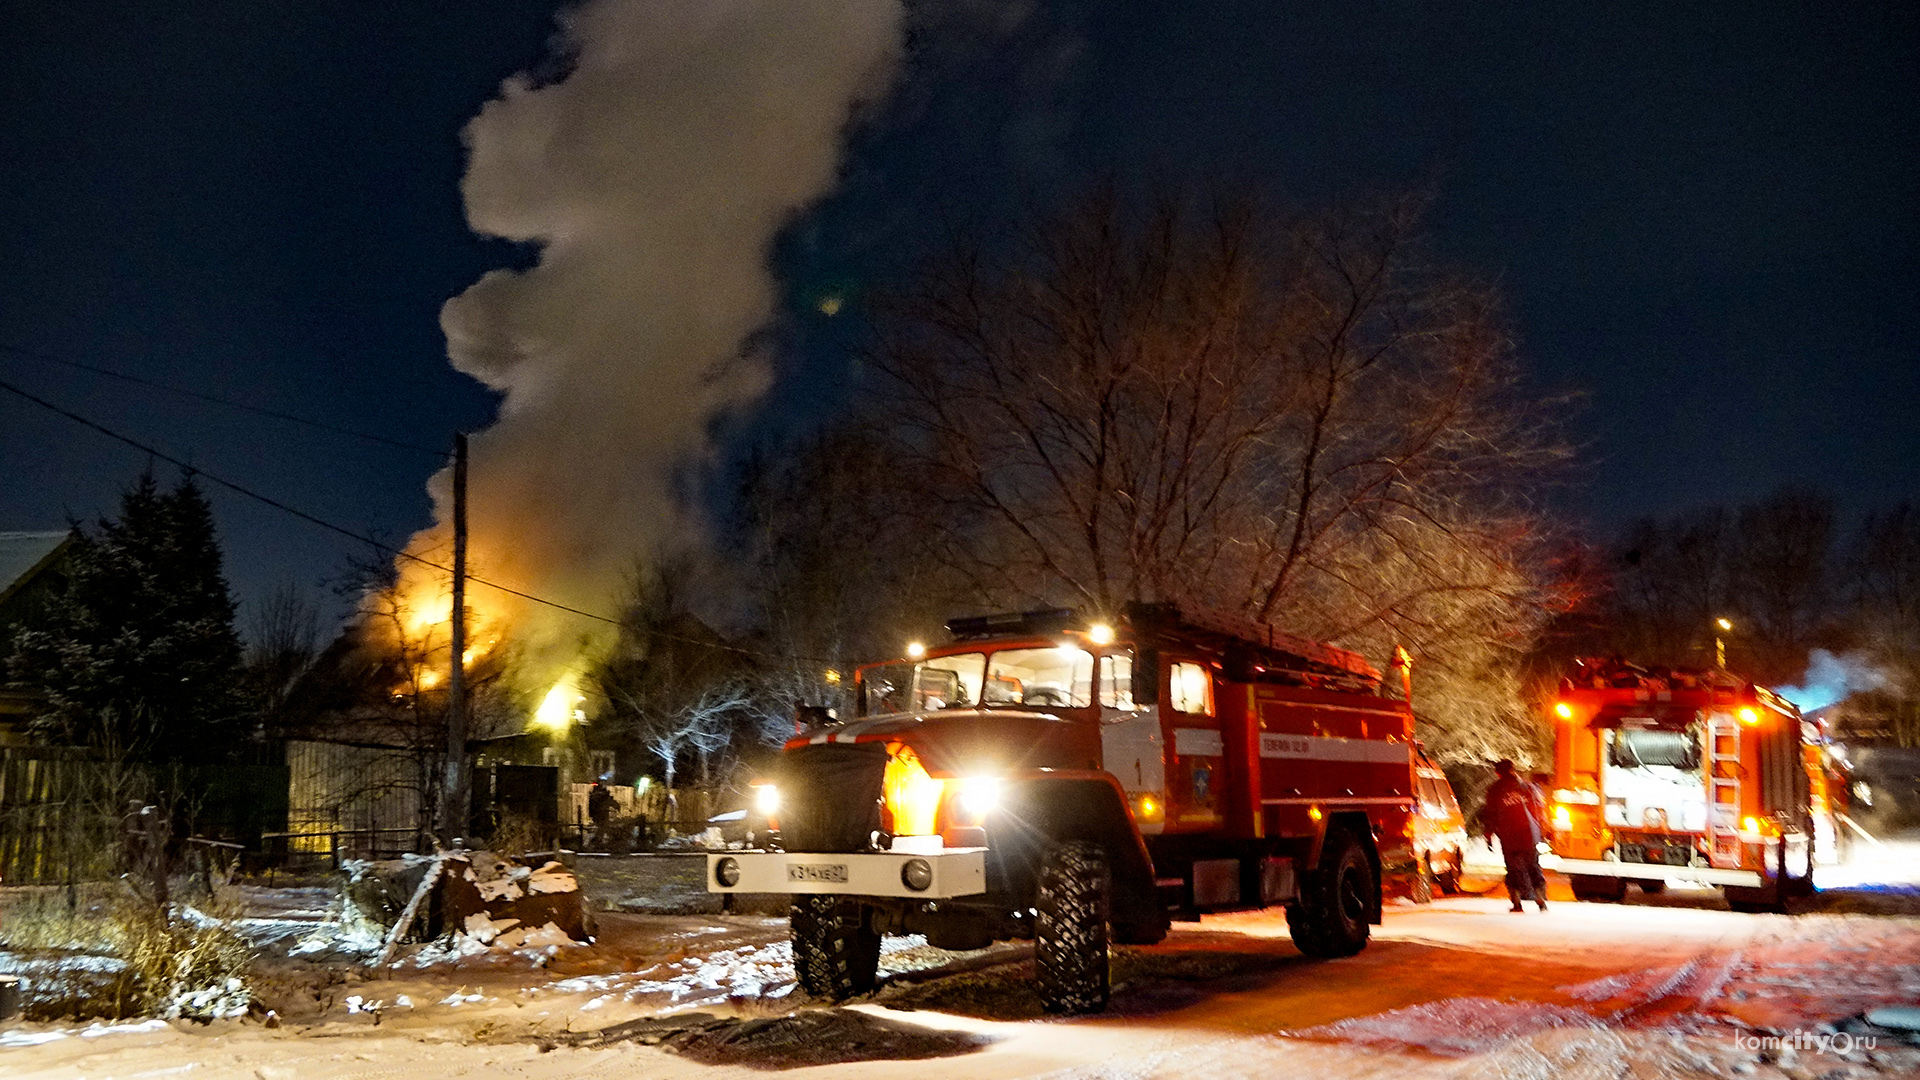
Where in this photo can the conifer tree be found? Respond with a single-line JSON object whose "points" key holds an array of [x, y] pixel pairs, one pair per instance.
{"points": [[138, 655]]}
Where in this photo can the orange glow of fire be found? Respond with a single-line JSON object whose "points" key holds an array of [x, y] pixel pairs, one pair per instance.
{"points": [[911, 795]]}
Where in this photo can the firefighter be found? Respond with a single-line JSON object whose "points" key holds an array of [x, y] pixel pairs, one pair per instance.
{"points": [[1513, 814], [600, 807]]}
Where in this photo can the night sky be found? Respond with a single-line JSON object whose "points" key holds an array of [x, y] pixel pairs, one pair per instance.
{"points": [[1704, 220]]}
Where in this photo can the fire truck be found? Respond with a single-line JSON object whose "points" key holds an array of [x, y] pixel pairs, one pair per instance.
{"points": [[1070, 781], [1668, 775]]}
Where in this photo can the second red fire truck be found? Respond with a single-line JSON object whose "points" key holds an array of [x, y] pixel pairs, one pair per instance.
{"points": [[1665, 775]]}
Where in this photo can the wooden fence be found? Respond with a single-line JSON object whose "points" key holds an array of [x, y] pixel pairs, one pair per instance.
{"points": [[61, 809]]}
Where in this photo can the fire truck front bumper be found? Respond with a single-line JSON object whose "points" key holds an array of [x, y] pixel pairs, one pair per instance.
{"points": [[931, 876], [1698, 875]]}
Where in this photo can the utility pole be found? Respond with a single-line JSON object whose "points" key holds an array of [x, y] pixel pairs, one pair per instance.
{"points": [[454, 798]]}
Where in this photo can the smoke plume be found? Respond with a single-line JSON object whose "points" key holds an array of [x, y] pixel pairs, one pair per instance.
{"points": [[653, 178], [1832, 678]]}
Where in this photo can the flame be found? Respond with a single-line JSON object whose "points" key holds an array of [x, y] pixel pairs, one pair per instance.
{"points": [[912, 795], [559, 708]]}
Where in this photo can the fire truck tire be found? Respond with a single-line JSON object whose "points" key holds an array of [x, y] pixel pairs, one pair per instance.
{"points": [[1330, 918], [1070, 929], [836, 950], [1593, 888]]}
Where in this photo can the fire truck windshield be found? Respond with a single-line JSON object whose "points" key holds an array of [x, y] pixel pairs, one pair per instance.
{"points": [[939, 682], [1061, 677]]}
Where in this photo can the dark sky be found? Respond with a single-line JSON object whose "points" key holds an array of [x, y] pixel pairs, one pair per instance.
{"points": [[1703, 216]]}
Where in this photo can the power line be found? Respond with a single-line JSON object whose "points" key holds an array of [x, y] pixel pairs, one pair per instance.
{"points": [[296, 512], [370, 541], [215, 399]]}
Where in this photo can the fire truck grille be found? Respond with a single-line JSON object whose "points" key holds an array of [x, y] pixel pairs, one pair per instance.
{"points": [[830, 796]]}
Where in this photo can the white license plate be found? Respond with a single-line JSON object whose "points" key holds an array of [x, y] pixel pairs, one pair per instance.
{"points": [[834, 872]]}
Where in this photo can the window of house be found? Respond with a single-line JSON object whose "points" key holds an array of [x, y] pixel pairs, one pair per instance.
{"points": [[1190, 689]]}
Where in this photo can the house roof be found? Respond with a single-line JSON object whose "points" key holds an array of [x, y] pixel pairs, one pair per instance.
{"points": [[23, 554]]}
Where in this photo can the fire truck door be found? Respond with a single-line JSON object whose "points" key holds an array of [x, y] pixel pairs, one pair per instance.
{"points": [[1130, 748], [1131, 743]]}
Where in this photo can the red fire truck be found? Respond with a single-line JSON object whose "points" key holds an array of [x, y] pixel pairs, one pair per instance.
{"points": [[1072, 781], [1665, 775]]}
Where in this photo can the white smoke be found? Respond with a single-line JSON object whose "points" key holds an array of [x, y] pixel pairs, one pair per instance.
{"points": [[1831, 678], [654, 178]]}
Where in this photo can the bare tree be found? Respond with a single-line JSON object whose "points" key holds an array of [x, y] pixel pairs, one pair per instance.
{"points": [[283, 640], [672, 684], [1294, 418], [1883, 569], [1767, 566]]}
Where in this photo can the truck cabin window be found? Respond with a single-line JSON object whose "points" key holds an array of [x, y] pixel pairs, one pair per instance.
{"points": [[1190, 689], [1116, 682], [938, 682], [1060, 677]]}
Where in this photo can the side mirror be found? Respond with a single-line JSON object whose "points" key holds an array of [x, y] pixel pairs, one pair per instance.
{"points": [[1146, 677]]}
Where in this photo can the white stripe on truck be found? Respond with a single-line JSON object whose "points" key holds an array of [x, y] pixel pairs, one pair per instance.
{"points": [[1323, 748]]}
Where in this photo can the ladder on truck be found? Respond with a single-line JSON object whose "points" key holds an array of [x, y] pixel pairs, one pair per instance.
{"points": [[1723, 789]]}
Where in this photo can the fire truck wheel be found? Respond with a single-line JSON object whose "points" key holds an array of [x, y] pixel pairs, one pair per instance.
{"points": [[1070, 929], [1330, 918], [836, 950], [1594, 888]]}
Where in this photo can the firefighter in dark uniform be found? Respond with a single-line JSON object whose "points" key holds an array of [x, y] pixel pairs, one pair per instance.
{"points": [[1513, 814], [600, 807]]}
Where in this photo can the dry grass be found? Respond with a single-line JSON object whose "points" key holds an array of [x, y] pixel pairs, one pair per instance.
{"points": [[104, 953]]}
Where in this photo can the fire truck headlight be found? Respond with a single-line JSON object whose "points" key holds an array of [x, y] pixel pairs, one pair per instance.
{"points": [[766, 800], [979, 795], [1562, 818], [1563, 710], [1100, 634], [727, 872], [1748, 715]]}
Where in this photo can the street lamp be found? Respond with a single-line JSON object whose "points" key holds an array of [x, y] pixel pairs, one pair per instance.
{"points": [[1720, 643]]}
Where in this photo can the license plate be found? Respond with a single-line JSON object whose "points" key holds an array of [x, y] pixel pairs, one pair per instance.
{"points": [[834, 872]]}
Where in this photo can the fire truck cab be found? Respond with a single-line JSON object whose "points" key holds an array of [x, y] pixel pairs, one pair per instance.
{"points": [[1668, 775], [1049, 777]]}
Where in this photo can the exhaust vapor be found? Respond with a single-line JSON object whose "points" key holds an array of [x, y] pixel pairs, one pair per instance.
{"points": [[653, 178]]}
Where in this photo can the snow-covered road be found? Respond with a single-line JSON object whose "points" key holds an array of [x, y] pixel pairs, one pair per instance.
{"points": [[1460, 988]]}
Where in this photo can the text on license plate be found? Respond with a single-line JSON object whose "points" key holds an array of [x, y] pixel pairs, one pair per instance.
{"points": [[835, 872]]}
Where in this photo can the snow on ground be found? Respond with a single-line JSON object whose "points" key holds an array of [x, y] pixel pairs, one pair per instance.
{"points": [[1661, 986]]}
